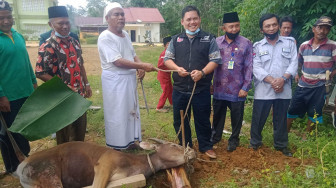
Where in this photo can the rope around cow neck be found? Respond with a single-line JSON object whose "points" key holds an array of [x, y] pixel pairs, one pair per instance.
{"points": [[150, 164]]}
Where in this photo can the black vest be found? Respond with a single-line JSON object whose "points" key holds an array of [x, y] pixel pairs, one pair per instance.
{"points": [[192, 55]]}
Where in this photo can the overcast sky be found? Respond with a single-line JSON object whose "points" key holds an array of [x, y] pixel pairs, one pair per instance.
{"points": [[75, 3]]}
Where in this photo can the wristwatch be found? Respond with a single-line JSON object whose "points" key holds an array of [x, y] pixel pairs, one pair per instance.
{"points": [[203, 74], [284, 77]]}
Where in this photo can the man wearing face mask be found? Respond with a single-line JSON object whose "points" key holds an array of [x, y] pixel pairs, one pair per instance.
{"points": [[274, 64], [232, 79], [195, 55], [61, 55]]}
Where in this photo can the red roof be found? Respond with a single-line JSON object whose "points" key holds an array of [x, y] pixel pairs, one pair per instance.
{"points": [[132, 15], [81, 21], [147, 15]]}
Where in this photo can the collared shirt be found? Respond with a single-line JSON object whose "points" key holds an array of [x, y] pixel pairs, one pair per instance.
{"points": [[315, 62], [16, 73], [228, 82], [214, 55], [275, 61], [193, 54], [64, 60]]}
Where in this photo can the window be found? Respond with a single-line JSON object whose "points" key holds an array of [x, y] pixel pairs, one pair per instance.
{"points": [[33, 5]]}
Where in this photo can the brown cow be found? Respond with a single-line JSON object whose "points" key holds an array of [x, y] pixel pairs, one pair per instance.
{"points": [[80, 164]]}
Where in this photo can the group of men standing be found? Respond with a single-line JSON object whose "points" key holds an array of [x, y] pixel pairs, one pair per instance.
{"points": [[59, 55], [197, 58], [231, 60]]}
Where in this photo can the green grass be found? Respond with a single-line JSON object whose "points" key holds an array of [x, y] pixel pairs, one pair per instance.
{"points": [[161, 125]]}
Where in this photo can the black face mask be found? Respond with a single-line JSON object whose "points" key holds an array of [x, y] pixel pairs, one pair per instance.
{"points": [[231, 35], [271, 36]]}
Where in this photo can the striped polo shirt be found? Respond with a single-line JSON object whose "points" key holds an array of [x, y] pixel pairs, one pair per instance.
{"points": [[315, 62]]}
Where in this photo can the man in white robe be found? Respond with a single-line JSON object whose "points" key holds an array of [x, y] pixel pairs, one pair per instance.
{"points": [[120, 66]]}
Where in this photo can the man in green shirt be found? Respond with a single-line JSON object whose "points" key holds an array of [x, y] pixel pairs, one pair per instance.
{"points": [[17, 82]]}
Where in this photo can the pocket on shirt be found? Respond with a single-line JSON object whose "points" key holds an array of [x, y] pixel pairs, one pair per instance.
{"points": [[285, 58], [265, 58]]}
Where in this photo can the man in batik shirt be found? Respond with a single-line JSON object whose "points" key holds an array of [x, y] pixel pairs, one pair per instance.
{"points": [[61, 56], [232, 79]]}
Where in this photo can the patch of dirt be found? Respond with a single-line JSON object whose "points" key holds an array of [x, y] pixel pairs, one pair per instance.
{"points": [[240, 166], [90, 56]]}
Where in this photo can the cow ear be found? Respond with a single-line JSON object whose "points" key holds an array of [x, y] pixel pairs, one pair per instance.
{"points": [[147, 146]]}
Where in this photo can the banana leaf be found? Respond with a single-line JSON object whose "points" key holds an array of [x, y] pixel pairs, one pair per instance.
{"points": [[51, 107]]}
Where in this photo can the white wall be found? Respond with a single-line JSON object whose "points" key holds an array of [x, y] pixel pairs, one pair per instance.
{"points": [[141, 31], [155, 32]]}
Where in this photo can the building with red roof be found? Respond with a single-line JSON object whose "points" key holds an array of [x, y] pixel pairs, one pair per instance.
{"points": [[141, 24]]}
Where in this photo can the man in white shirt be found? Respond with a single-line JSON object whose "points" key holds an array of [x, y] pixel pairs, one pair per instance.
{"points": [[120, 65]]}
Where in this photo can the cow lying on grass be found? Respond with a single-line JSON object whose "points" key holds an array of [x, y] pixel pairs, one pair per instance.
{"points": [[80, 164]]}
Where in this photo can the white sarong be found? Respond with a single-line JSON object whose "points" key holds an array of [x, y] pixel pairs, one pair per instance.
{"points": [[121, 108]]}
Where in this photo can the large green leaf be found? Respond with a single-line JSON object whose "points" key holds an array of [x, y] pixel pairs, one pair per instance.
{"points": [[51, 107]]}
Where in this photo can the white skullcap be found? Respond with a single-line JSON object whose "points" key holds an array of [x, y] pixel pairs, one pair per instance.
{"points": [[109, 7]]}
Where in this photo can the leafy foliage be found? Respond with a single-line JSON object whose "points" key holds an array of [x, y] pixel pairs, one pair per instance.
{"points": [[51, 107], [304, 12]]}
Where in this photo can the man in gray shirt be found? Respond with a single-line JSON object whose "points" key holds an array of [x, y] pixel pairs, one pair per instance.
{"points": [[274, 64]]}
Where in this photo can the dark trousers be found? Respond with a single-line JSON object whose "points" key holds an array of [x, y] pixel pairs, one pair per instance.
{"points": [[261, 109], [237, 113], [8, 155], [201, 105], [72, 132]]}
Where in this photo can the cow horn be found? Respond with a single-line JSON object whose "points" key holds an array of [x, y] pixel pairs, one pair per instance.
{"points": [[158, 140]]}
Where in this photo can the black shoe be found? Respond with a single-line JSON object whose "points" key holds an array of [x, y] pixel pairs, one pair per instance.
{"points": [[232, 146], [254, 147], [285, 151]]}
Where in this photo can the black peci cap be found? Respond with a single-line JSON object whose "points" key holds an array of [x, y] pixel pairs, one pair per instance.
{"points": [[57, 12], [230, 17]]}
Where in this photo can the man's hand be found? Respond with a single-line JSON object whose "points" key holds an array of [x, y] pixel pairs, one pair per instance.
{"points": [[35, 86], [141, 74], [297, 77], [196, 75], [278, 84], [332, 74], [148, 67], [182, 72], [4, 104], [73, 89], [88, 92], [242, 93]]}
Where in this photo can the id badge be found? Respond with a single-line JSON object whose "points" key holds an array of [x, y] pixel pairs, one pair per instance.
{"points": [[231, 63]]}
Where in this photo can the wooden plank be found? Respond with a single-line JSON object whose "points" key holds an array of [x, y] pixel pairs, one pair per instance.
{"points": [[135, 181]]}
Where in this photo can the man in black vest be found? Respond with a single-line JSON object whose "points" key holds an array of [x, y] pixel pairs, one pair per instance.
{"points": [[194, 54]]}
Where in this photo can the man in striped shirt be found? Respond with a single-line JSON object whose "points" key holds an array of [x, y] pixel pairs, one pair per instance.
{"points": [[316, 56]]}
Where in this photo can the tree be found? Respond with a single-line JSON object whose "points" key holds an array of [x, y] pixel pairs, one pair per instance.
{"points": [[95, 8], [147, 3], [211, 14], [304, 12]]}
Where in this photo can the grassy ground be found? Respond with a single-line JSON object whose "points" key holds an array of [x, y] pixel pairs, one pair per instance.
{"points": [[319, 149]]}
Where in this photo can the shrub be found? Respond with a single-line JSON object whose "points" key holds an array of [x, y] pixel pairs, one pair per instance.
{"points": [[92, 40]]}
